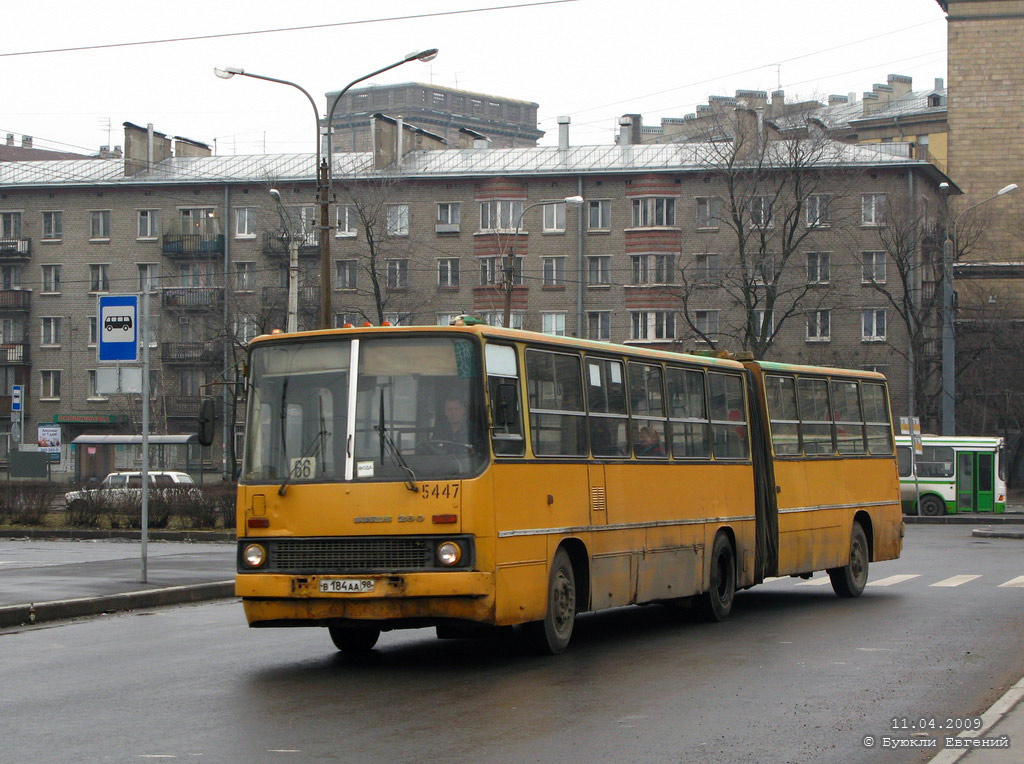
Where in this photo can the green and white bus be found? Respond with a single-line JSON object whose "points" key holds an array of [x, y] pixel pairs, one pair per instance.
{"points": [[952, 474]]}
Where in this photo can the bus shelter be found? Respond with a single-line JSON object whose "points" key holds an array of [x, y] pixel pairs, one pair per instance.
{"points": [[95, 456]]}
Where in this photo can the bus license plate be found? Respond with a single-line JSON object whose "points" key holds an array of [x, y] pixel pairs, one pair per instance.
{"points": [[352, 585]]}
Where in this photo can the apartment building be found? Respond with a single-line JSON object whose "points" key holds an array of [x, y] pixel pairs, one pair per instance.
{"points": [[654, 255]]}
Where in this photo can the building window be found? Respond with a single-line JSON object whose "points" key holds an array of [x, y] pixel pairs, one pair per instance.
{"points": [[873, 271], [449, 216], [554, 217], [599, 325], [445, 319], [706, 272], [245, 222], [873, 325], [492, 270], [872, 209], [761, 317], [654, 211], [352, 319], [149, 277], [148, 227], [398, 219], [817, 211], [819, 326], [51, 279], [10, 225], [99, 224], [497, 318], [93, 393], [10, 277], [99, 280], [599, 214], [50, 331], [246, 329], [398, 319], [652, 269], [554, 271], [244, 272], [346, 274], [817, 267], [93, 330], [347, 221], [53, 226], [761, 211], [448, 272], [49, 387], [398, 274], [599, 269], [706, 323], [761, 269], [709, 212], [500, 215], [553, 323], [653, 325]]}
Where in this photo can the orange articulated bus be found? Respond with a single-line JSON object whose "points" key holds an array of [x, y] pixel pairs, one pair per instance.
{"points": [[472, 476]]}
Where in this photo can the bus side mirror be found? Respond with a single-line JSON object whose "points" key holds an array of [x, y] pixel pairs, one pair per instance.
{"points": [[506, 406], [207, 420]]}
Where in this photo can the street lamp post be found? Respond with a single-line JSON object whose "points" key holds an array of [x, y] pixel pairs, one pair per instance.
{"points": [[948, 336], [323, 165], [510, 260]]}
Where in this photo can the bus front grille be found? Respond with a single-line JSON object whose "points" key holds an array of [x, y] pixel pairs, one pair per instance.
{"points": [[337, 555]]}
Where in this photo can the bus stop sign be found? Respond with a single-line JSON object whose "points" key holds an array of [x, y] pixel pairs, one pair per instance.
{"points": [[118, 323]]}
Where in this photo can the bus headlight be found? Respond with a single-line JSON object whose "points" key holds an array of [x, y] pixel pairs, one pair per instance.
{"points": [[254, 555], [449, 553]]}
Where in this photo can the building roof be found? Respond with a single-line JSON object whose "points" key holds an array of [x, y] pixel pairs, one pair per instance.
{"points": [[424, 164], [28, 154]]}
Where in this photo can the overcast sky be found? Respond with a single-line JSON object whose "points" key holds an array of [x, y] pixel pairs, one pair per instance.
{"points": [[590, 59]]}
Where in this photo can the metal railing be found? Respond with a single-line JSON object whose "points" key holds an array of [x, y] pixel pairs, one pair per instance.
{"points": [[193, 298]]}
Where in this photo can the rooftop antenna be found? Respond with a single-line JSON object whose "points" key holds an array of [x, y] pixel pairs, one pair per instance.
{"points": [[778, 76]]}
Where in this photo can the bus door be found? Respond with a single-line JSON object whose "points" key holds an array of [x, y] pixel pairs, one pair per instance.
{"points": [[966, 487], [985, 468]]}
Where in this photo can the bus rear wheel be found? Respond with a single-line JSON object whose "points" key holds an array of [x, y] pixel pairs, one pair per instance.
{"points": [[931, 506], [354, 639], [551, 636], [716, 603], [850, 580]]}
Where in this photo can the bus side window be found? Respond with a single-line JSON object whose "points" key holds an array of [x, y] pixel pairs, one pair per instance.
{"points": [[606, 400], [687, 408], [876, 418], [904, 461], [557, 417], [647, 400], [503, 391], [848, 417], [781, 395], [728, 416], [815, 416]]}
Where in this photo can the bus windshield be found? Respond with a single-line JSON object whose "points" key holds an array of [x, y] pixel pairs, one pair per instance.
{"points": [[413, 411]]}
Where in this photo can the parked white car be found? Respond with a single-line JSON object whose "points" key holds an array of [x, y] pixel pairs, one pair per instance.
{"points": [[127, 487]]}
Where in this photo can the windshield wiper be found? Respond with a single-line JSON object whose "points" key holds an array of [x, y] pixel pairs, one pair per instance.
{"points": [[385, 438], [314, 445]]}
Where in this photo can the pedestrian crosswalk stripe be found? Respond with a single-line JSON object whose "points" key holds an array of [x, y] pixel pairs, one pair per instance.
{"points": [[955, 580], [893, 580], [1018, 582]]}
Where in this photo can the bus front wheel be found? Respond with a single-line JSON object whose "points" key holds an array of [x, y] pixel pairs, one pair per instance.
{"points": [[551, 636], [931, 506], [850, 580], [354, 639], [716, 603]]}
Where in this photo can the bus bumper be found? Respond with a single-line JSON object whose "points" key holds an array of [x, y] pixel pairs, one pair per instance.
{"points": [[270, 599]]}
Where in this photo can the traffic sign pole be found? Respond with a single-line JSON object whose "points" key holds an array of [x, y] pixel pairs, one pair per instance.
{"points": [[145, 428]]}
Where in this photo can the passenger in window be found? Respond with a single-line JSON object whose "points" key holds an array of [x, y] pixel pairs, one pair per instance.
{"points": [[648, 442]]}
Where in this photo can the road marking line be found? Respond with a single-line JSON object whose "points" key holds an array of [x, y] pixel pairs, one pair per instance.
{"points": [[1018, 582], [955, 580], [894, 580], [816, 581]]}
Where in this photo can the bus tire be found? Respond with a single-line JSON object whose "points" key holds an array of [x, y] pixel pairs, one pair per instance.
{"points": [[552, 635], [354, 639], [716, 603], [850, 580], [931, 506]]}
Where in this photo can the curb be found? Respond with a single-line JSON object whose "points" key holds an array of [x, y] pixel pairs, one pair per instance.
{"points": [[85, 534], [967, 518], [995, 713], [990, 533], [22, 615]]}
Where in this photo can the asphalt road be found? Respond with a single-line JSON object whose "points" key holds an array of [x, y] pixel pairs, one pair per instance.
{"points": [[796, 675]]}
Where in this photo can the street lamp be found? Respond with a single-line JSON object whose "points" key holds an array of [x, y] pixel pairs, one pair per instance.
{"points": [[510, 261], [293, 263], [323, 166], [948, 337]]}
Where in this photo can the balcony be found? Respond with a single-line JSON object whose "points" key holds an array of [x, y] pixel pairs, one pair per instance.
{"points": [[193, 298], [15, 299], [195, 353], [187, 406], [276, 245], [193, 245], [309, 297], [15, 250], [13, 353]]}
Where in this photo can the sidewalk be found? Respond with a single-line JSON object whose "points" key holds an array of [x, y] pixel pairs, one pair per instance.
{"points": [[46, 580], [1004, 721]]}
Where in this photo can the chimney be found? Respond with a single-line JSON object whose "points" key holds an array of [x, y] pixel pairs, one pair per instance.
{"points": [[382, 129], [872, 103], [852, 97], [143, 148], [625, 129], [746, 133], [563, 132], [900, 84], [884, 92], [754, 99], [837, 100], [471, 139], [26, 141], [940, 84], [778, 103], [184, 147], [10, 139]]}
